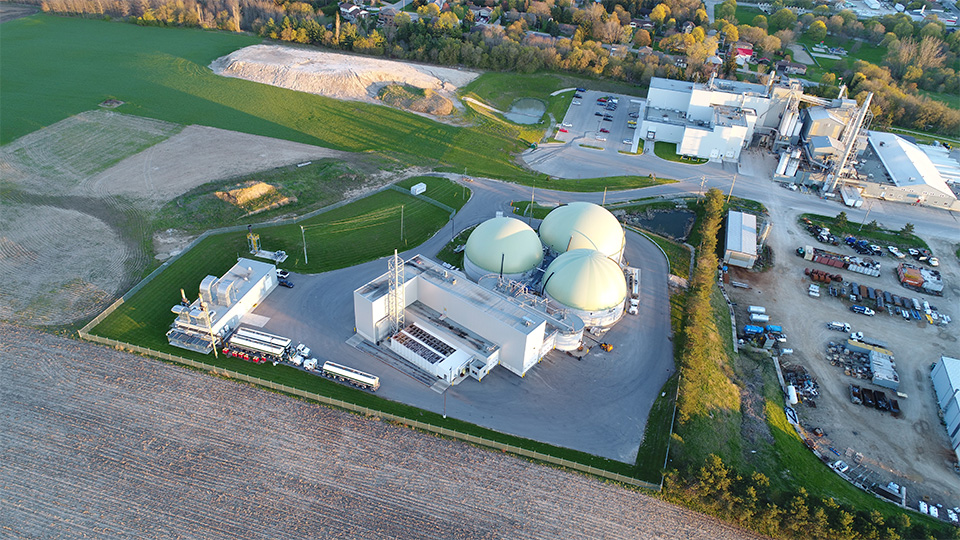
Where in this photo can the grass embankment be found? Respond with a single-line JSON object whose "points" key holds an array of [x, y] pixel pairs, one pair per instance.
{"points": [[656, 438], [55, 67], [319, 184], [668, 151], [525, 209], [874, 235], [441, 190]]}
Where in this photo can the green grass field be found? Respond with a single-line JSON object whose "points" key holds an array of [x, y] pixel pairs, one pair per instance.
{"points": [[55, 67], [882, 237], [668, 151], [441, 190]]}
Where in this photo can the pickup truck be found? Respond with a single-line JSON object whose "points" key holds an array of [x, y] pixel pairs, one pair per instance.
{"points": [[840, 326], [863, 310]]}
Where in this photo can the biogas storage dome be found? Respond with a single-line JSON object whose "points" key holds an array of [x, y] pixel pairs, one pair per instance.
{"points": [[583, 225], [588, 283], [506, 241]]}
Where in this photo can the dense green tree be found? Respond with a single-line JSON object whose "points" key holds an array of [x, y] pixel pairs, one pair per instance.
{"points": [[817, 31], [783, 19]]}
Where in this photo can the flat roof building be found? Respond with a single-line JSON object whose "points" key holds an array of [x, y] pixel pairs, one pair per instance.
{"points": [[909, 167], [946, 384], [222, 303], [741, 245], [454, 327]]}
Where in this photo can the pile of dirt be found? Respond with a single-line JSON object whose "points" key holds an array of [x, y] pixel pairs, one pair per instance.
{"points": [[255, 197], [336, 75], [415, 99]]}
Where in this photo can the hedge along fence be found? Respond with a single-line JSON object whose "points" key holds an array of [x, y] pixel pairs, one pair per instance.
{"points": [[365, 411]]}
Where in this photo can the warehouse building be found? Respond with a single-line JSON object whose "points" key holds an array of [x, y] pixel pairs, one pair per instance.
{"points": [[910, 175], [946, 384], [741, 245], [222, 303]]}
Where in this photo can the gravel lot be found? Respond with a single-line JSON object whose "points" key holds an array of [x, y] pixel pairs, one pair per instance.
{"points": [[913, 449], [99, 443]]}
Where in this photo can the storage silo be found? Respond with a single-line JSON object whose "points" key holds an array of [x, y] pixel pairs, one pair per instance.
{"points": [[583, 225], [588, 284], [502, 245]]}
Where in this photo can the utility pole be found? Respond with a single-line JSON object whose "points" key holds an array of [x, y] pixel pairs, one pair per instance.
{"points": [[869, 207], [401, 222], [604, 196], [703, 180], [731, 187], [303, 235], [532, 192]]}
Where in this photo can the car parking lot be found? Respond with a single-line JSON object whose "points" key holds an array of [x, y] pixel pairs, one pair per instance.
{"points": [[910, 448], [602, 120]]}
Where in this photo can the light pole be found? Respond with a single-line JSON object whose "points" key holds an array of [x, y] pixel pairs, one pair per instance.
{"points": [[303, 235], [869, 207]]}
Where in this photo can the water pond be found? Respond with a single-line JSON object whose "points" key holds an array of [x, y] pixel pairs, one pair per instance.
{"points": [[526, 111]]}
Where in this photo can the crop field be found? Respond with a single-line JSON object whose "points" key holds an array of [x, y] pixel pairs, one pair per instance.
{"points": [[58, 158], [111, 445], [162, 73]]}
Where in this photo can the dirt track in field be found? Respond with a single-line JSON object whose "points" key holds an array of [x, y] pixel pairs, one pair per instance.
{"points": [[106, 444], [79, 198], [9, 12]]}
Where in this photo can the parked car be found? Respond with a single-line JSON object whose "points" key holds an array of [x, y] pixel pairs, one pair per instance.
{"points": [[600, 138], [896, 252], [840, 466], [607, 119], [563, 130], [577, 96], [598, 113], [604, 130], [283, 274], [581, 89], [628, 141], [575, 102], [285, 283]]}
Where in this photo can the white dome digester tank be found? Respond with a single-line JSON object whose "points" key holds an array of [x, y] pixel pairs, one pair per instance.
{"points": [[583, 225], [588, 284], [502, 245]]}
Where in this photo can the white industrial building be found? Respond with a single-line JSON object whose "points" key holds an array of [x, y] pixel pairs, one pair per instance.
{"points": [[504, 246], [913, 176], [451, 327], [946, 384], [741, 245], [717, 119], [222, 303], [583, 225]]}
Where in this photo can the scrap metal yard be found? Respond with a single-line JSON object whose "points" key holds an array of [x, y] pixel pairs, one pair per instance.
{"points": [[107, 444], [909, 447]]}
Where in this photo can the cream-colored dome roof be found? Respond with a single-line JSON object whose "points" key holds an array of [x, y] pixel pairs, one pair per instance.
{"points": [[582, 225], [505, 237], [585, 279]]}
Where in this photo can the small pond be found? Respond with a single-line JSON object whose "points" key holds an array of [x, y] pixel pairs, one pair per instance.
{"points": [[671, 223], [526, 111]]}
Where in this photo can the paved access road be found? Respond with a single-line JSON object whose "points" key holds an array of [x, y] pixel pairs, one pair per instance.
{"points": [[97, 443]]}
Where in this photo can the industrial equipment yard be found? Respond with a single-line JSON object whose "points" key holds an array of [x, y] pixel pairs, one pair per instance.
{"points": [[911, 450]]}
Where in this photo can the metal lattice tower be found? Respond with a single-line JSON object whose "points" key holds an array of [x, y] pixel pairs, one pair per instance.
{"points": [[395, 297]]}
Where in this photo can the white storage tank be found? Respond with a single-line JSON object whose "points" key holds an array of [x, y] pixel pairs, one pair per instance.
{"points": [[756, 309], [792, 395], [756, 317], [589, 284], [502, 244], [583, 225]]}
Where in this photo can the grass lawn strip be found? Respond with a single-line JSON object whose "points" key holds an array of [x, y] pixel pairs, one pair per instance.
{"points": [[881, 237], [668, 151]]}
